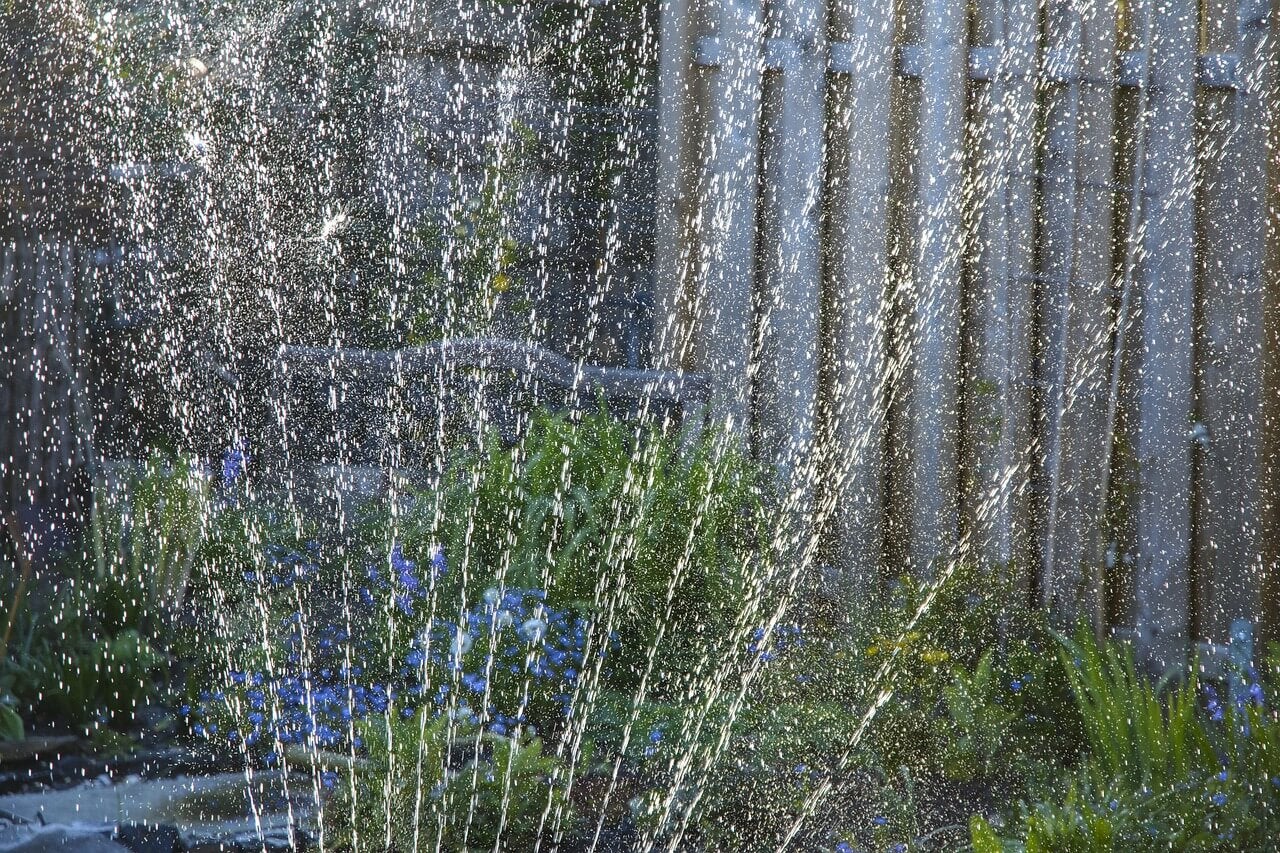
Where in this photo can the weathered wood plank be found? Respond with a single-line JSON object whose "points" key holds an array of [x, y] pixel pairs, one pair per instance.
{"points": [[932, 341], [725, 266], [1166, 302], [1094, 275], [997, 400], [1261, 59], [856, 299], [1080, 344], [1231, 154], [677, 120], [791, 263], [1060, 570]]}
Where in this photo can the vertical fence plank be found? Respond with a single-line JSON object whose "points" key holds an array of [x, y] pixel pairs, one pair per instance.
{"points": [[1060, 579], [856, 279], [997, 402], [791, 284], [985, 517], [1022, 30], [1166, 288], [1078, 310], [1262, 58], [1094, 274], [903, 248], [675, 184], [1228, 558], [724, 277], [933, 325]]}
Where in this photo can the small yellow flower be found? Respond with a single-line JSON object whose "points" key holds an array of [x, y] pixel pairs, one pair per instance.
{"points": [[872, 651], [911, 636], [501, 282], [934, 656]]}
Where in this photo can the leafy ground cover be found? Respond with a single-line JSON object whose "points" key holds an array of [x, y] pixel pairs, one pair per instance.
{"points": [[589, 639]]}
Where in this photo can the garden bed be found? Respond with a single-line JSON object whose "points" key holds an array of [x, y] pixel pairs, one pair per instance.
{"points": [[589, 639]]}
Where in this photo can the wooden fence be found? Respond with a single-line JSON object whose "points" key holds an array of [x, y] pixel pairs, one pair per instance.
{"points": [[995, 281], [46, 423], [992, 280]]}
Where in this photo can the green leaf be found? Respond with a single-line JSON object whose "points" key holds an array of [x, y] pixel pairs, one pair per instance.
{"points": [[10, 725], [983, 837]]}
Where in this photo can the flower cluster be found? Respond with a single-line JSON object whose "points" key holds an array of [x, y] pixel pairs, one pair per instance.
{"points": [[511, 638], [284, 566], [490, 664], [768, 645], [235, 461], [403, 583]]}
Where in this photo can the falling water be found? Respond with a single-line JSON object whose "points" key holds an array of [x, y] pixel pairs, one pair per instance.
{"points": [[586, 425]]}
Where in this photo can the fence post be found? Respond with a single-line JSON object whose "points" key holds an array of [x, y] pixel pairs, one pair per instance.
{"points": [[1166, 291], [724, 274], [856, 297], [933, 326]]}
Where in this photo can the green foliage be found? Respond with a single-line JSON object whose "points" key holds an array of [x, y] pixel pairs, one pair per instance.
{"points": [[96, 645], [144, 540], [1134, 734], [980, 727], [1160, 772], [74, 679], [11, 728], [982, 837], [465, 264], [616, 523], [433, 784]]}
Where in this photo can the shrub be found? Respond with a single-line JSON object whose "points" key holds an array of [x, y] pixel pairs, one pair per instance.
{"points": [[443, 783], [1162, 771]]}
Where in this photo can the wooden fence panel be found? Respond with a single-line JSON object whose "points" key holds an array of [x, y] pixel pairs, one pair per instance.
{"points": [[950, 236]]}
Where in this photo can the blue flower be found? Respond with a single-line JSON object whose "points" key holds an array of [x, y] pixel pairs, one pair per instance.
{"points": [[234, 461], [1256, 693], [1219, 799], [404, 569], [1213, 705], [438, 566], [1016, 685], [879, 820], [844, 847]]}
